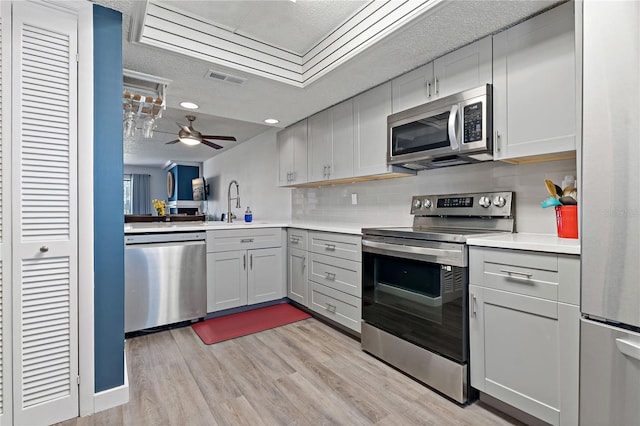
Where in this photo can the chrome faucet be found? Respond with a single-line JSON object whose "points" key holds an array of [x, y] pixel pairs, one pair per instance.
{"points": [[237, 198]]}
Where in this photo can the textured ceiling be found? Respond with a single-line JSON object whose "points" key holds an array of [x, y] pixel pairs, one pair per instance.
{"points": [[246, 106]]}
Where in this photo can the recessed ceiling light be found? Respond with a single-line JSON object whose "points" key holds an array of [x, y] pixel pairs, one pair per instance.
{"points": [[189, 105], [271, 121]]}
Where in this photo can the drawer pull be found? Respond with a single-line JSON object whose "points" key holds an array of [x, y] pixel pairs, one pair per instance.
{"points": [[518, 274], [331, 308], [246, 240], [295, 240], [330, 276], [330, 247]]}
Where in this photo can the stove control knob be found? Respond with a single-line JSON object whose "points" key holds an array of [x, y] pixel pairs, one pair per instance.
{"points": [[417, 204], [485, 202], [426, 203], [499, 201]]}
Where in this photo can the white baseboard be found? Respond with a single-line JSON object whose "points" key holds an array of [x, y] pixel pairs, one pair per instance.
{"points": [[114, 396]]}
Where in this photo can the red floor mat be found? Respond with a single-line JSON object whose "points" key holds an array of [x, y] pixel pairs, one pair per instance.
{"points": [[235, 325]]}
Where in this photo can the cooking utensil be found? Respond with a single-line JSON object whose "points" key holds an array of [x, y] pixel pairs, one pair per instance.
{"points": [[550, 202], [568, 201], [553, 189], [570, 191]]}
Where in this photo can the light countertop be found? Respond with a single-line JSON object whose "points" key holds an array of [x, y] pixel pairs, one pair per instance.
{"points": [[154, 227], [535, 242]]}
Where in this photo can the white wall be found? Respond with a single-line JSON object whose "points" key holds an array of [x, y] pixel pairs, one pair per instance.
{"points": [[158, 180], [254, 165], [387, 202]]}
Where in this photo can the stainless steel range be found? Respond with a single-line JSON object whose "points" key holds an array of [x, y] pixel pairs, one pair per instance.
{"points": [[415, 285]]}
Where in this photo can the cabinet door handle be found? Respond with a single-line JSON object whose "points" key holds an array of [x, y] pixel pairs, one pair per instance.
{"points": [[330, 247], [428, 89], [44, 249], [294, 240], [251, 261], [498, 142], [517, 274], [330, 276], [331, 308], [288, 176], [244, 262], [473, 305], [246, 240], [435, 85], [328, 171]]}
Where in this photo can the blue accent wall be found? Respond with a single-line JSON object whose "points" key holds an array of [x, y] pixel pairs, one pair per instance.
{"points": [[108, 199]]}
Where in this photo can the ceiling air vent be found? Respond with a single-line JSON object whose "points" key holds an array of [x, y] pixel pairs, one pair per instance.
{"points": [[227, 78]]}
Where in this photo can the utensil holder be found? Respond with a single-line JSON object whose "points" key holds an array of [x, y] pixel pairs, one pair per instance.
{"points": [[567, 221]]}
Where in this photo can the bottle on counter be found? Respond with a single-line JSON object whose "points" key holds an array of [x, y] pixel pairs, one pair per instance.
{"points": [[248, 216]]}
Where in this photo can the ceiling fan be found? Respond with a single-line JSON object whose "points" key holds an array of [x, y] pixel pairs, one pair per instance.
{"points": [[190, 136]]}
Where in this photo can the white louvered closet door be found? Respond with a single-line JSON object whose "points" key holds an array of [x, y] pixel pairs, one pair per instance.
{"points": [[5, 214], [44, 214]]}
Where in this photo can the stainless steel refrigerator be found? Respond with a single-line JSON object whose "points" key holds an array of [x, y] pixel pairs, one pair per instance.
{"points": [[610, 304]]}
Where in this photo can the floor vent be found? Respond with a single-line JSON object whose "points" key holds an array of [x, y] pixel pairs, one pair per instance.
{"points": [[227, 78]]}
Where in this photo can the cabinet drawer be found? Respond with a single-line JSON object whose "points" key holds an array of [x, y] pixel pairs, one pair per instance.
{"points": [[335, 305], [338, 245], [340, 274], [241, 239], [521, 272], [297, 238]]}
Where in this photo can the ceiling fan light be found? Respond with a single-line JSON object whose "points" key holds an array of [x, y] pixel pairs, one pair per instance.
{"points": [[188, 140]]}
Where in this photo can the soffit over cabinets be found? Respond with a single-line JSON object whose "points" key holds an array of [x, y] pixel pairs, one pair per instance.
{"points": [[293, 43]]}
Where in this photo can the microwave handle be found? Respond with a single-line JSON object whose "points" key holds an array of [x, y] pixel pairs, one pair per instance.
{"points": [[453, 114]]}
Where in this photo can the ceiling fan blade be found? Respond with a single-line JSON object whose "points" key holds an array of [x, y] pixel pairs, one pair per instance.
{"points": [[211, 144], [184, 127], [221, 138], [172, 142]]}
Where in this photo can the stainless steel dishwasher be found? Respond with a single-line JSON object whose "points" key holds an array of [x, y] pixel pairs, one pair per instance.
{"points": [[165, 279]]}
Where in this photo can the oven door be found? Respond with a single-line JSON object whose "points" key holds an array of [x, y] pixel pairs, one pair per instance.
{"points": [[418, 293]]}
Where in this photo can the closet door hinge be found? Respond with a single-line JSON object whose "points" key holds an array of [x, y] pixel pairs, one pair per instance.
{"points": [[78, 380]]}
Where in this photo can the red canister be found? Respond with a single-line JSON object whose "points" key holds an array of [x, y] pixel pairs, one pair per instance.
{"points": [[567, 221]]}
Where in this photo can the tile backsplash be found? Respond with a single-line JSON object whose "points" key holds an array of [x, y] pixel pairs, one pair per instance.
{"points": [[387, 202]]}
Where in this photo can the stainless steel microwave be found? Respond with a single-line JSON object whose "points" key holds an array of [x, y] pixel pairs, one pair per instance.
{"points": [[456, 129]]}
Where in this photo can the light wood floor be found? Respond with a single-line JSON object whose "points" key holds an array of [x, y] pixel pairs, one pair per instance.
{"points": [[304, 373]]}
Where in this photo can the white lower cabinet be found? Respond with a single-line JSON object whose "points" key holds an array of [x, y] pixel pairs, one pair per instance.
{"points": [[247, 276], [524, 331], [324, 274], [335, 278], [297, 275], [297, 287]]}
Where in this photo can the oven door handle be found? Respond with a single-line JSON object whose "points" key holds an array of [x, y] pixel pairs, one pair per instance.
{"points": [[438, 255]]}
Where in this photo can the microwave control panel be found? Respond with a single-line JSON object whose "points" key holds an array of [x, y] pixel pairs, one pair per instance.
{"points": [[472, 123]]}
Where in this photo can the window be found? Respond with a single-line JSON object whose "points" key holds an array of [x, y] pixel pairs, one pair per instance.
{"points": [[127, 194]]}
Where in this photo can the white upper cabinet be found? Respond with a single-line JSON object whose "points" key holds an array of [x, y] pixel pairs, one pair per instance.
{"points": [[534, 93], [413, 88], [370, 110], [292, 154], [465, 68], [462, 69], [330, 143]]}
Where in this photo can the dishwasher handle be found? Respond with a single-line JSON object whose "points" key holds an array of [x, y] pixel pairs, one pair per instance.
{"points": [[166, 244], [166, 237]]}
